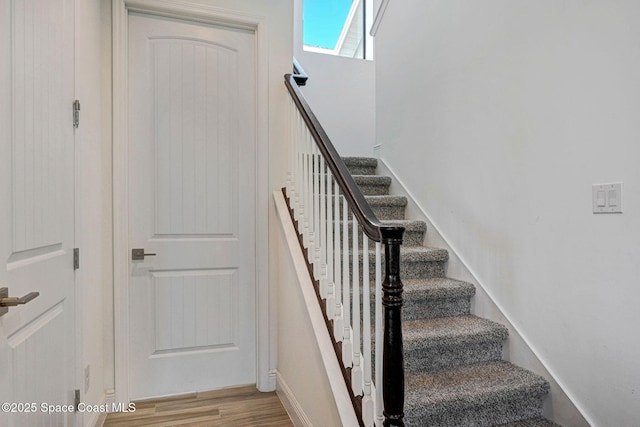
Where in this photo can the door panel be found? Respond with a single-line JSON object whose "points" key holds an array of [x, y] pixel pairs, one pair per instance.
{"points": [[196, 197], [209, 321], [37, 340], [192, 203]]}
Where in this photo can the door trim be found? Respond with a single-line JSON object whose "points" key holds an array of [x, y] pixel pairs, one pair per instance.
{"points": [[211, 15]]}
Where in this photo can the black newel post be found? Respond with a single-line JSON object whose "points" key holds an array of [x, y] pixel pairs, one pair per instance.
{"points": [[393, 357]]}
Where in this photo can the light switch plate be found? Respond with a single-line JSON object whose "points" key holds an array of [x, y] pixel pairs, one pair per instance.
{"points": [[610, 194]]}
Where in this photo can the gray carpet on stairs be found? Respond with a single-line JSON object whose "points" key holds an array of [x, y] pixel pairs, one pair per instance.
{"points": [[454, 373]]}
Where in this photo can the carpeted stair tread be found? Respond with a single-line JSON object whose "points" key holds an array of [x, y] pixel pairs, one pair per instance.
{"points": [[387, 207], [413, 231], [372, 179], [386, 200], [423, 253], [361, 165], [411, 254], [372, 185], [531, 422], [415, 254], [438, 288], [436, 297], [482, 394], [417, 261], [360, 161], [408, 224], [444, 343], [424, 333]]}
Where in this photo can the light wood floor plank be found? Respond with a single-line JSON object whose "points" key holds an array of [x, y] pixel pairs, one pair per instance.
{"points": [[237, 407]]}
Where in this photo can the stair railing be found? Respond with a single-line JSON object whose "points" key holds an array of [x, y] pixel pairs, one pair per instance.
{"points": [[335, 224]]}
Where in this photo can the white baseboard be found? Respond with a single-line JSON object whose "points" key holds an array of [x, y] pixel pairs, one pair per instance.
{"points": [[110, 396], [97, 419], [291, 404]]}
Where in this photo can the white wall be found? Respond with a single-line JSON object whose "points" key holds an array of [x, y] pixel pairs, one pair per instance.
{"points": [[341, 93], [303, 382], [499, 116], [93, 200]]}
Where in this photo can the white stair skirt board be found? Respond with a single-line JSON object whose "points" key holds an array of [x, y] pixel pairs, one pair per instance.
{"points": [[334, 373]]}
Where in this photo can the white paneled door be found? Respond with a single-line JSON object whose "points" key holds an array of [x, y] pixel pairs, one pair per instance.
{"points": [[37, 339], [192, 208]]}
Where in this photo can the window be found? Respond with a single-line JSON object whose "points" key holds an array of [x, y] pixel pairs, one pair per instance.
{"points": [[338, 27]]}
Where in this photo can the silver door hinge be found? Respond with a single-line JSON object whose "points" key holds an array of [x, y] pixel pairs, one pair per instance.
{"points": [[76, 258], [76, 400], [76, 113]]}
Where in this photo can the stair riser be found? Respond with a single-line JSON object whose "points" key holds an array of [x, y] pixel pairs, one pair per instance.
{"points": [[356, 168], [417, 308], [421, 270], [511, 409], [409, 238], [361, 170], [374, 190], [408, 270], [388, 212], [451, 356], [413, 238], [371, 188], [432, 309], [382, 212]]}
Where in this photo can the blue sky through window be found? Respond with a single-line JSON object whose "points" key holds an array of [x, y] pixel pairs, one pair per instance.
{"points": [[323, 21]]}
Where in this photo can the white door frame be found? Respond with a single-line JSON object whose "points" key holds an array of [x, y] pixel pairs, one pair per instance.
{"points": [[205, 14]]}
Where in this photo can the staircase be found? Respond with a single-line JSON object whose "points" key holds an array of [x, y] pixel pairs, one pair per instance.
{"points": [[454, 372]]}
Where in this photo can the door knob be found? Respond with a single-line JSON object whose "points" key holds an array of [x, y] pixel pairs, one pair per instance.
{"points": [[138, 254], [6, 301]]}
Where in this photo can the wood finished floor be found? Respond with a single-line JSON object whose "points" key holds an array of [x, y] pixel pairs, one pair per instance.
{"points": [[241, 407]]}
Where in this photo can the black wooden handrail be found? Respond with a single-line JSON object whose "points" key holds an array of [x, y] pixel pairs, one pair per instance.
{"points": [[298, 73], [390, 236], [371, 226]]}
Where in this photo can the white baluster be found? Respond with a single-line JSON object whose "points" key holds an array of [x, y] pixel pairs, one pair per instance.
{"points": [[356, 371], [305, 191], [317, 264], [367, 399], [312, 199], [322, 227], [299, 172], [331, 303], [293, 141], [302, 189], [338, 323], [289, 149], [378, 326], [294, 157], [312, 211], [296, 163], [346, 297]]}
